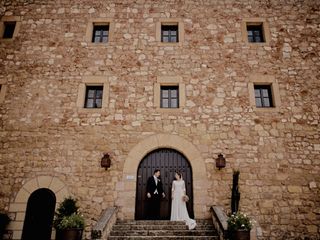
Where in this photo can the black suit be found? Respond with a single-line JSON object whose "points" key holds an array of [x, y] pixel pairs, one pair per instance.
{"points": [[156, 191]]}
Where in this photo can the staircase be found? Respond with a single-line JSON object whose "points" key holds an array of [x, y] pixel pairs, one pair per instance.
{"points": [[163, 230]]}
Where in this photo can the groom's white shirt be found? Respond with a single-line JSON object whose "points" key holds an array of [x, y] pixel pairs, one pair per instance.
{"points": [[156, 181]]}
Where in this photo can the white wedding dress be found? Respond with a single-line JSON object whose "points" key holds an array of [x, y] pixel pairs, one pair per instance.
{"points": [[179, 210]]}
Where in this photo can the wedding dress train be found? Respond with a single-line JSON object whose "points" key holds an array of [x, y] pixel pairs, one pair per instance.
{"points": [[179, 210]]}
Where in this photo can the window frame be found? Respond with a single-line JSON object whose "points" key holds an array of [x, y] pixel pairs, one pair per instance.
{"points": [[170, 22], [101, 34], [169, 81], [269, 80], [265, 30], [93, 81], [90, 31], [3, 90], [170, 89], [4, 21]]}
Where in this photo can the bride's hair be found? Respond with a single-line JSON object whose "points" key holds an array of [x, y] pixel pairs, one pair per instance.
{"points": [[179, 174]]}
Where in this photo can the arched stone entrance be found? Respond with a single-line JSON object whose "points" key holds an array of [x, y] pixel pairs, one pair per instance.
{"points": [[39, 215], [19, 205], [126, 188], [168, 161]]}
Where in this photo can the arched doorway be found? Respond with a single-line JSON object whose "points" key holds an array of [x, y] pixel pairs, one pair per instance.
{"points": [[168, 161], [39, 215]]}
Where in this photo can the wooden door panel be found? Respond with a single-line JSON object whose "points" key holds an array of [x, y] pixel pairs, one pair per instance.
{"points": [[168, 161]]}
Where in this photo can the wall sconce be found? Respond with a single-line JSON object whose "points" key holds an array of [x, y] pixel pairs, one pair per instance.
{"points": [[220, 161], [106, 161]]}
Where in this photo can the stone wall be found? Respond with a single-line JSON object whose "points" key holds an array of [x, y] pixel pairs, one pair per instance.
{"points": [[45, 133]]}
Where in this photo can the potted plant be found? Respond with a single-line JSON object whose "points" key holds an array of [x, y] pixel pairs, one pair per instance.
{"points": [[239, 226], [68, 222], [4, 221]]}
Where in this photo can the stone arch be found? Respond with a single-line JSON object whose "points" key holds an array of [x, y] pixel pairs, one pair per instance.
{"points": [[127, 187], [19, 204]]}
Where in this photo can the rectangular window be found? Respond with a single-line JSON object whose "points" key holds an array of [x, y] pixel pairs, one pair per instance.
{"points": [[255, 33], [8, 29], [100, 34], [263, 96], [93, 97], [169, 97], [169, 33]]}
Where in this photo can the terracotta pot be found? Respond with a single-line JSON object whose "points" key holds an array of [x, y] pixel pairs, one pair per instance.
{"points": [[240, 235], [69, 234]]}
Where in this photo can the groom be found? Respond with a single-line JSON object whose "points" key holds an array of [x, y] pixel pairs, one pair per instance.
{"points": [[154, 194]]}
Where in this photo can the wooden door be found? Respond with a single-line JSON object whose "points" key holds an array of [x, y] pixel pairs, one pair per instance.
{"points": [[39, 215], [168, 161]]}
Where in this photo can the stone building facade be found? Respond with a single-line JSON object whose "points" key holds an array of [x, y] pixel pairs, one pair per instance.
{"points": [[49, 140]]}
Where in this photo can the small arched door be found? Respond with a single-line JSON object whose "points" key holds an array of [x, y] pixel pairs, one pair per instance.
{"points": [[168, 161], [39, 215]]}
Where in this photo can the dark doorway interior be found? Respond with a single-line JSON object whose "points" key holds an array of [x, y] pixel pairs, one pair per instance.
{"points": [[39, 215]]}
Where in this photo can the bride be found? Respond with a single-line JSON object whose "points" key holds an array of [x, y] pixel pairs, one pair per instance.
{"points": [[178, 208]]}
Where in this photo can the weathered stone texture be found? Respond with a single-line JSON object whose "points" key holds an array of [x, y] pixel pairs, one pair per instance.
{"points": [[44, 133]]}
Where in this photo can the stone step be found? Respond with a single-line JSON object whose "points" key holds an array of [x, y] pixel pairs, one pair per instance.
{"points": [[162, 230], [119, 227], [163, 237], [161, 222], [164, 233]]}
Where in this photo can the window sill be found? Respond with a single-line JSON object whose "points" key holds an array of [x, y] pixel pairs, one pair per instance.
{"points": [[91, 110], [169, 110], [265, 109], [257, 44], [170, 44], [98, 45], [7, 39]]}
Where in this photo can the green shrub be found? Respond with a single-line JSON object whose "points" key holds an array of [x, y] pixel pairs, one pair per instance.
{"points": [[67, 215]]}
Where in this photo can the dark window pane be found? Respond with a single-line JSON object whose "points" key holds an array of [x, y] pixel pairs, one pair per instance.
{"points": [[91, 93], [104, 39], [89, 103], [266, 102], [173, 39], [9, 29], [174, 103], [165, 33], [99, 103], [165, 103], [99, 94], [165, 39], [258, 102], [165, 93], [265, 92], [257, 92], [174, 93]]}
